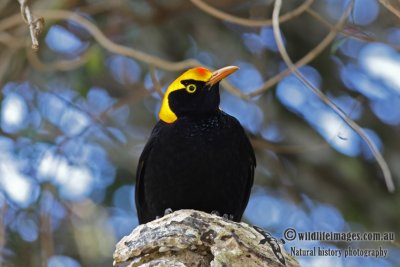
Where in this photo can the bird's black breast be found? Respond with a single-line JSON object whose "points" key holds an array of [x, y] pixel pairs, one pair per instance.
{"points": [[198, 163]]}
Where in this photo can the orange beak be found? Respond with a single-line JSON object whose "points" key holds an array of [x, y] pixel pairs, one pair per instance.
{"points": [[218, 75]]}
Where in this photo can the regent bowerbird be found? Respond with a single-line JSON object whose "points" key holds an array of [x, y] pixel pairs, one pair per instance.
{"points": [[197, 157]]}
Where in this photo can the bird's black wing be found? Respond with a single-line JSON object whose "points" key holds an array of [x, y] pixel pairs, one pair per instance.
{"points": [[141, 168], [252, 166], [250, 160]]}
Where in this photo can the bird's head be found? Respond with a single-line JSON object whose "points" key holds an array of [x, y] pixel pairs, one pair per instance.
{"points": [[195, 92]]}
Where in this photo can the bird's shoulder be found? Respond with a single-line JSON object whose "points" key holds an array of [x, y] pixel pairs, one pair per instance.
{"points": [[218, 128], [155, 133], [188, 127], [238, 128], [217, 121]]}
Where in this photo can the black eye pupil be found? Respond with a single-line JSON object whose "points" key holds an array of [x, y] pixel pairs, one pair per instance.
{"points": [[191, 88]]}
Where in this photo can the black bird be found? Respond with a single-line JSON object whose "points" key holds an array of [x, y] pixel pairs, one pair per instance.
{"points": [[198, 157]]}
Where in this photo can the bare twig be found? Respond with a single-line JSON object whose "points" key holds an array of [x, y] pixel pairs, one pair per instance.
{"points": [[304, 60], [390, 7], [250, 22], [117, 48], [62, 65], [127, 51], [279, 40], [359, 35], [35, 24], [351, 32], [156, 82], [132, 98]]}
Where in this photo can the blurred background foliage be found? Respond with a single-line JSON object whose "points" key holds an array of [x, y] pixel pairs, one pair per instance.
{"points": [[75, 117]]}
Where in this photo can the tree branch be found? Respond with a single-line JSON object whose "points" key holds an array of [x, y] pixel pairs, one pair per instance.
{"points": [[35, 24], [195, 238], [378, 156], [304, 60], [250, 22], [390, 7], [61, 65], [109, 45]]}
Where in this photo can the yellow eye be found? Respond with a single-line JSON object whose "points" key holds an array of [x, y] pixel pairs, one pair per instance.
{"points": [[191, 88]]}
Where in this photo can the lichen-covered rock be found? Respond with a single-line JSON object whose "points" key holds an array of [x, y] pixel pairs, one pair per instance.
{"points": [[194, 238]]}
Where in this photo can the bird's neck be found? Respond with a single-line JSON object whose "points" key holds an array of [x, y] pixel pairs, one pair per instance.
{"points": [[200, 115]]}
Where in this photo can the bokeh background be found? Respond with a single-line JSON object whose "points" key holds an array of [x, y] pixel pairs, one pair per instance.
{"points": [[76, 114]]}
